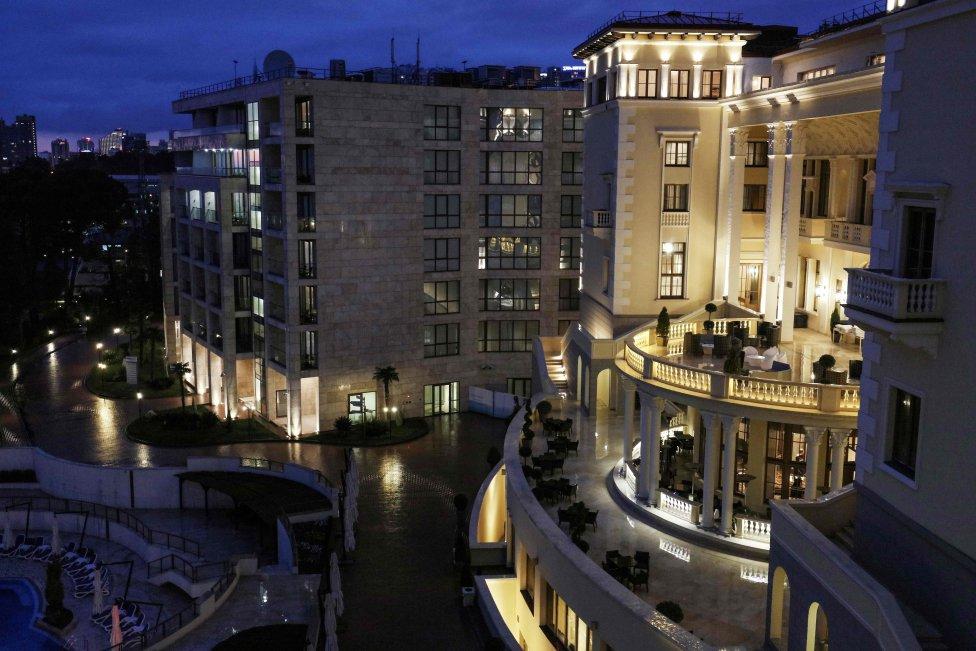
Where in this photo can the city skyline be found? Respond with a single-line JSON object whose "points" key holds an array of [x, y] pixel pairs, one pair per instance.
{"points": [[135, 92]]}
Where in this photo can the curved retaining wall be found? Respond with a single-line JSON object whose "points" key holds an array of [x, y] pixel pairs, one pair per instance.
{"points": [[618, 616]]}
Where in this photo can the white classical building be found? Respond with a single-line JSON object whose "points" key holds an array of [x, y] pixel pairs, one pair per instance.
{"points": [[753, 182]]}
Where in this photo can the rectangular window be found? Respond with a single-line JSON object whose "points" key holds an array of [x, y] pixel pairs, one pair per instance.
{"points": [[303, 117], [823, 187], [754, 198], [441, 399], [570, 252], [281, 403], [309, 349], [570, 211], [876, 60], [442, 211], [572, 169], [509, 294], [675, 197], [572, 125], [506, 336], [253, 126], [442, 167], [442, 297], [919, 240], [601, 89], [757, 153], [305, 164], [904, 432], [647, 83], [361, 406], [761, 82], [238, 209], [308, 305], [442, 254], [568, 294], [254, 166], [711, 87], [441, 340], [306, 212], [254, 206], [511, 210], [242, 292], [562, 326], [672, 270], [565, 625], [521, 386], [241, 251], [676, 153], [678, 88], [442, 122], [511, 124], [306, 259], [504, 252], [511, 167], [816, 73]]}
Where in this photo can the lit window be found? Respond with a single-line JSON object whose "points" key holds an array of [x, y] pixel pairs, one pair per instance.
{"points": [[509, 294], [511, 210], [511, 167], [511, 124], [672, 270], [647, 83], [711, 87], [816, 73], [676, 153], [675, 197], [502, 252], [757, 153], [678, 88], [572, 125]]}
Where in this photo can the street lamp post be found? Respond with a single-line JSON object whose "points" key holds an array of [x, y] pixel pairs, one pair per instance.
{"points": [[139, 398], [394, 411], [389, 427], [116, 332]]}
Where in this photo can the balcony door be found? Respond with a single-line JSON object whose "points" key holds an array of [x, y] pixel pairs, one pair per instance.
{"points": [[918, 241]]}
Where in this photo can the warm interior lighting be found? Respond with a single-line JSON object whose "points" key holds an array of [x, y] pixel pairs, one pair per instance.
{"points": [[668, 248]]}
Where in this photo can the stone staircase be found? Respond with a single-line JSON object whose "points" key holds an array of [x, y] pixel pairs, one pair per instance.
{"points": [[557, 373], [844, 538]]}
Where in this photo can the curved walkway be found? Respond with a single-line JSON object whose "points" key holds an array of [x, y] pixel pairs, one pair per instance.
{"points": [[401, 589]]}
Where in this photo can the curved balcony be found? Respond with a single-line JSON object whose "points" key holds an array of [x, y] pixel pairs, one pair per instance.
{"points": [[700, 381]]}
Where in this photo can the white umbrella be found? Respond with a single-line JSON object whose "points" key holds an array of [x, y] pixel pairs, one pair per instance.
{"points": [[8, 535], [335, 581], [352, 511], [350, 538], [329, 624], [55, 536], [97, 606], [115, 639]]}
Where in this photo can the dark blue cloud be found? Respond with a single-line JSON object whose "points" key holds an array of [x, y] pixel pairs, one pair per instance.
{"points": [[86, 67]]}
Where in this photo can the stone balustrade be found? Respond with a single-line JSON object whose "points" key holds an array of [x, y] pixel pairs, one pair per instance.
{"points": [[895, 298], [752, 528], [600, 219], [676, 219], [850, 233], [810, 227], [679, 506]]}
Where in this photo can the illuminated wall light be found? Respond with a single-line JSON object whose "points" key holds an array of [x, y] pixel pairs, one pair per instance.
{"points": [[697, 55], [668, 248]]}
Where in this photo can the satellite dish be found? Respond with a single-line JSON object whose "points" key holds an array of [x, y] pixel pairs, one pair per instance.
{"points": [[278, 60]]}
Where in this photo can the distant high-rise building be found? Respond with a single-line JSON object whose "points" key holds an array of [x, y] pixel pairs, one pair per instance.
{"points": [[60, 151], [112, 143], [337, 68], [18, 141], [86, 145], [134, 142]]}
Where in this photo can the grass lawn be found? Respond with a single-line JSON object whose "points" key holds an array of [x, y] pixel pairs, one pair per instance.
{"points": [[152, 431], [106, 383], [376, 434]]}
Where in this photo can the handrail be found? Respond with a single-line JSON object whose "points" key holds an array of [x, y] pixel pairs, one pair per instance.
{"points": [[846, 18], [642, 16], [173, 562], [117, 515]]}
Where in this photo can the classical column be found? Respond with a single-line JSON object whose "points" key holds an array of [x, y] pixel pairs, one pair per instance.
{"points": [[691, 427], [627, 80], [294, 384], [713, 424], [664, 83], [733, 221], [628, 435], [814, 436], [790, 232], [838, 447], [649, 473], [696, 77], [774, 216], [730, 428]]}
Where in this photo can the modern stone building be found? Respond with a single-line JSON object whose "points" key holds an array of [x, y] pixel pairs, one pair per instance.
{"points": [[316, 229]]}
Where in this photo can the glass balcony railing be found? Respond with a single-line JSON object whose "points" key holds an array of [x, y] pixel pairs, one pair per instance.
{"points": [[306, 224], [310, 362], [307, 271], [238, 219], [212, 171], [211, 215], [274, 221]]}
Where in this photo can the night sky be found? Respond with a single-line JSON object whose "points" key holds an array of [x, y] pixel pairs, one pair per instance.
{"points": [[85, 67]]}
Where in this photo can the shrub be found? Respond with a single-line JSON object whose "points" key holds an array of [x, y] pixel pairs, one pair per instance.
{"points": [[194, 420], [343, 424], [54, 612], [827, 362], [671, 610], [711, 308], [544, 408], [709, 325], [663, 327], [161, 383]]}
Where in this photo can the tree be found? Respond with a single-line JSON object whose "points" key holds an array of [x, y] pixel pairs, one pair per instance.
{"points": [[663, 328], [180, 369], [55, 612], [386, 375], [154, 335]]}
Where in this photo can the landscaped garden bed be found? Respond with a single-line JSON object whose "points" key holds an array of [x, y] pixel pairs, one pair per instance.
{"points": [[195, 425], [372, 433]]}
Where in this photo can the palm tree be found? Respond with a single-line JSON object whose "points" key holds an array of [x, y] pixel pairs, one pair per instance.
{"points": [[386, 374], [180, 369]]}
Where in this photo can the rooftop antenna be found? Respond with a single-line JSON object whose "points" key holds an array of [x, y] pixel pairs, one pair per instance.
{"points": [[416, 70], [393, 70]]}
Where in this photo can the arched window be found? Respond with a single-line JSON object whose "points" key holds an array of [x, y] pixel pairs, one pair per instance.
{"points": [[779, 610], [816, 628]]}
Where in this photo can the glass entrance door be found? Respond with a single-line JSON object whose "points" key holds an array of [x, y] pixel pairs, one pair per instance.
{"points": [[441, 399]]}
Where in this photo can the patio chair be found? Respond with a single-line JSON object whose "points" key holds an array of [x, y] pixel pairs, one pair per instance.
{"points": [[591, 518], [836, 377], [572, 446], [642, 560], [562, 515], [750, 350], [9, 551], [42, 553], [557, 464], [611, 555], [721, 346], [854, 367], [640, 577], [28, 547]]}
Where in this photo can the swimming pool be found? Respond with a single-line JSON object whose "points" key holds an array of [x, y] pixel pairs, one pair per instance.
{"points": [[20, 605]]}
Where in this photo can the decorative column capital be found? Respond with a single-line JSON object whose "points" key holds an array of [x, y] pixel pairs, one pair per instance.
{"points": [[777, 138], [650, 401], [813, 434], [838, 437], [738, 136]]}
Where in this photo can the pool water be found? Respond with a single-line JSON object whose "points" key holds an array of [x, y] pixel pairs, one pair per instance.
{"points": [[19, 606]]}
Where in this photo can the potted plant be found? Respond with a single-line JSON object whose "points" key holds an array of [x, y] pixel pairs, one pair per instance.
{"points": [[671, 610], [544, 408], [56, 616], [834, 321], [821, 366], [709, 324], [734, 362], [663, 327]]}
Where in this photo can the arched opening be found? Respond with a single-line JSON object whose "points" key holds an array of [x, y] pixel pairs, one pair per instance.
{"points": [[579, 378], [779, 610], [603, 389], [816, 628]]}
